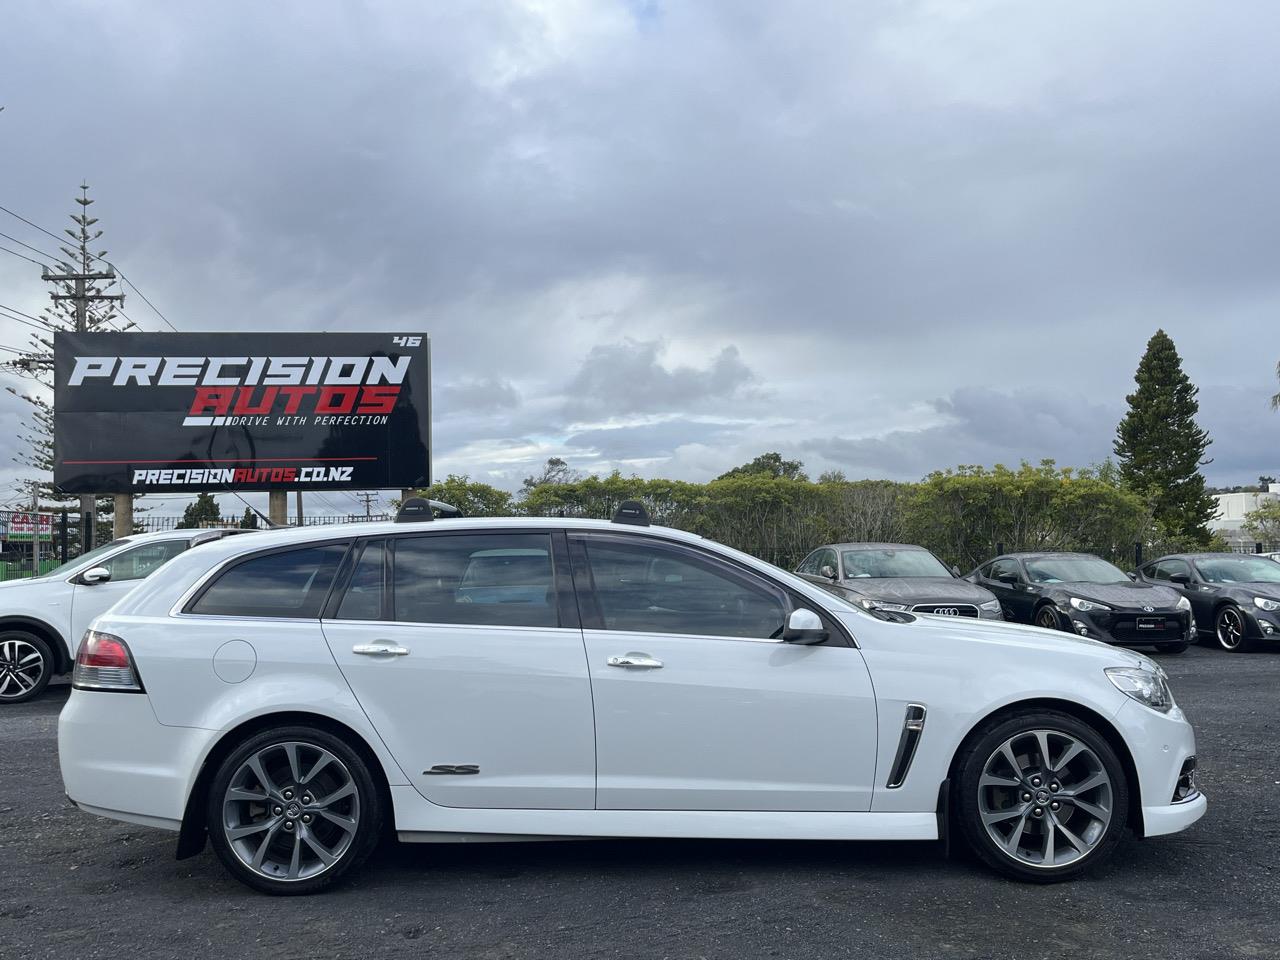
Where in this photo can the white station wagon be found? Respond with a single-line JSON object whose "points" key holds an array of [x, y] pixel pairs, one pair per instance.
{"points": [[297, 697]]}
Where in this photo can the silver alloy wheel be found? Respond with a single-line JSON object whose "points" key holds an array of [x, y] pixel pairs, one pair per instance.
{"points": [[291, 811], [1045, 798], [1230, 628], [21, 668]]}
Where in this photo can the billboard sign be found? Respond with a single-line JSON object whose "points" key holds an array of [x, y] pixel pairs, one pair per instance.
{"points": [[22, 527], [156, 412]]}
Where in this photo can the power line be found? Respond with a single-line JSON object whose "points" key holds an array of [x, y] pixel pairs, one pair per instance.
{"points": [[30, 247], [48, 233], [18, 319], [23, 256], [144, 297]]}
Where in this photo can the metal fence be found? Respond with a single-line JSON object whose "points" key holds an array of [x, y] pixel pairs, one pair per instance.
{"points": [[151, 523]]}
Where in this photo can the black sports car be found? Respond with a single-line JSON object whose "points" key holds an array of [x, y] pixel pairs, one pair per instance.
{"points": [[898, 577], [1235, 598], [1088, 595]]}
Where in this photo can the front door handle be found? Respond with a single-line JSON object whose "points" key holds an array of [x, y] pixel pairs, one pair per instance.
{"points": [[384, 648], [635, 660]]}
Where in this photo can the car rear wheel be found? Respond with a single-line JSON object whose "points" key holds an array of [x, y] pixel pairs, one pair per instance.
{"points": [[1231, 630], [1041, 796], [26, 666], [292, 810]]}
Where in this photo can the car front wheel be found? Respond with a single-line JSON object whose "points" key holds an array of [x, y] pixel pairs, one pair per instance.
{"points": [[1047, 617], [292, 810], [1041, 796], [26, 666], [1231, 630]]}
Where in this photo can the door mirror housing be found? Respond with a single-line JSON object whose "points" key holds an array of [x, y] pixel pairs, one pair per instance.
{"points": [[828, 571], [1010, 578], [95, 575], [1180, 578], [804, 627], [955, 572]]}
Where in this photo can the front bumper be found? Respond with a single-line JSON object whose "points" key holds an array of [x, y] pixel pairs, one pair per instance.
{"points": [[1262, 624], [118, 761], [1161, 745], [1122, 627]]}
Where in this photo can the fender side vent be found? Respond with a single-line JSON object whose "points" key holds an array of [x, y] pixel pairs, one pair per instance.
{"points": [[912, 728]]}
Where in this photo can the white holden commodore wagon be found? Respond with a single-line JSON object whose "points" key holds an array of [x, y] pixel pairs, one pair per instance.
{"points": [[295, 698]]}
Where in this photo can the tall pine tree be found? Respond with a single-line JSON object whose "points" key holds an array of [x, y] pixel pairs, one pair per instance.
{"points": [[1160, 447]]}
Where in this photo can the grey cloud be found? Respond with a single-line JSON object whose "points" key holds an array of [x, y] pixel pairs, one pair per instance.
{"points": [[475, 396]]}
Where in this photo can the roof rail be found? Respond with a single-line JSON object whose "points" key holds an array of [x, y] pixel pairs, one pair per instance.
{"points": [[420, 510], [632, 512]]}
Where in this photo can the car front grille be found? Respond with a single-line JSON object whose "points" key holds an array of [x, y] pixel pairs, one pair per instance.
{"points": [[1129, 627], [947, 609]]}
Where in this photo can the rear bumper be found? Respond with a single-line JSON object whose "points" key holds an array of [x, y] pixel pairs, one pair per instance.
{"points": [[118, 761]]}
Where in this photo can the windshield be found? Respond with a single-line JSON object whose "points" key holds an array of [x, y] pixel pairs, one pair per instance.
{"points": [[1073, 570], [1239, 570], [874, 564], [84, 558]]}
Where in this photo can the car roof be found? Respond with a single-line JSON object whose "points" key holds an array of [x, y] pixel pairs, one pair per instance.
{"points": [[1206, 555], [1045, 554], [871, 545]]}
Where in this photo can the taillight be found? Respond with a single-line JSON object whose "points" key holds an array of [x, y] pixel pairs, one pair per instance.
{"points": [[103, 662]]}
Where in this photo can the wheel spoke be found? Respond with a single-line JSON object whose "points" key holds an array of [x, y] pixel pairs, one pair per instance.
{"points": [[1042, 742], [240, 793], [291, 751], [1091, 809], [261, 853], [346, 790], [33, 655], [1080, 845], [326, 856], [295, 861], [1092, 782], [346, 823], [1007, 751], [1015, 835], [323, 761], [248, 830], [1049, 854], [255, 764], [1000, 816], [996, 780], [1068, 755], [24, 682]]}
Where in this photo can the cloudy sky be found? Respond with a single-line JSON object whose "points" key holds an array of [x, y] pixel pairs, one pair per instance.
{"points": [[883, 237]]}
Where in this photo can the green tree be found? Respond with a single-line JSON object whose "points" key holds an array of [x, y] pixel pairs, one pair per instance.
{"points": [[768, 465], [201, 512], [250, 520], [1160, 447], [1264, 523], [473, 498], [554, 470]]}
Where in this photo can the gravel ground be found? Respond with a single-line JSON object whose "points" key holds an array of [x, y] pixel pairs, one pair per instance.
{"points": [[76, 886]]}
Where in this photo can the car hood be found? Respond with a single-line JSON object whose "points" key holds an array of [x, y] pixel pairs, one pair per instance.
{"points": [[1120, 594], [1269, 590], [1001, 633], [916, 590]]}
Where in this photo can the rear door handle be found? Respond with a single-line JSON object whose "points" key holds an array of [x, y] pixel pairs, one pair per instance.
{"points": [[382, 648], [635, 660]]}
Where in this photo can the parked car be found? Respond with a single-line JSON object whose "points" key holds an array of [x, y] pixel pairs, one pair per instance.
{"points": [[43, 618], [897, 576], [519, 678], [1084, 594], [1236, 598]]}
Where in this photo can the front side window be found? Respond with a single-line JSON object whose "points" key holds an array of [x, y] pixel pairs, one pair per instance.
{"points": [[652, 588], [288, 583], [137, 563], [1167, 569], [811, 563], [1002, 569], [497, 579]]}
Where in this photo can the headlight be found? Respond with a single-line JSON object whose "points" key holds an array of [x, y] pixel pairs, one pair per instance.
{"points": [[1084, 606], [869, 604], [991, 606], [1148, 687], [1265, 604], [1185, 604]]}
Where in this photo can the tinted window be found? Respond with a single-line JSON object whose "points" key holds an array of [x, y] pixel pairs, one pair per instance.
{"points": [[811, 563], [291, 583], [362, 599], [1001, 568], [1165, 569], [504, 580], [650, 588], [140, 561]]}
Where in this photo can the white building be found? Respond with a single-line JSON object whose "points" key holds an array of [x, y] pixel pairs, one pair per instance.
{"points": [[1232, 508]]}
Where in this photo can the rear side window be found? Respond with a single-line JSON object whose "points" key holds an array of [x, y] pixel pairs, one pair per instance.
{"points": [[502, 580], [363, 597], [138, 563], [290, 583]]}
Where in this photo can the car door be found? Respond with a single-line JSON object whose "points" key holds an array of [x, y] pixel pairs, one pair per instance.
{"points": [[465, 652], [91, 600], [1012, 596], [698, 703], [1204, 596]]}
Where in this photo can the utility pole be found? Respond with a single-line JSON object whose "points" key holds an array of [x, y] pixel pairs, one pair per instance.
{"points": [[82, 295], [367, 499]]}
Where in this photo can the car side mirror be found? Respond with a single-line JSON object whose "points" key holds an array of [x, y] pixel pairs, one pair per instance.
{"points": [[1010, 578], [1133, 575], [804, 627], [955, 571], [95, 575], [828, 571], [1180, 578]]}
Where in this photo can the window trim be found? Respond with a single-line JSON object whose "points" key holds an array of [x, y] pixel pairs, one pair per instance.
{"points": [[189, 599], [593, 619], [130, 548], [346, 572]]}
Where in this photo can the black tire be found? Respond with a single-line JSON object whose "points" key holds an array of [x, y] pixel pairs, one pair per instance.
{"points": [[1173, 648], [980, 749], [368, 805], [1047, 617], [18, 669], [1231, 623]]}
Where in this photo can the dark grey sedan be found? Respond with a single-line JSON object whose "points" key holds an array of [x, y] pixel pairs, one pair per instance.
{"points": [[897, 576]]}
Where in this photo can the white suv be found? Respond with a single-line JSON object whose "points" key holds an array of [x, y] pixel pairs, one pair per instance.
{"points": [[42, 618], [518, 678]]}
